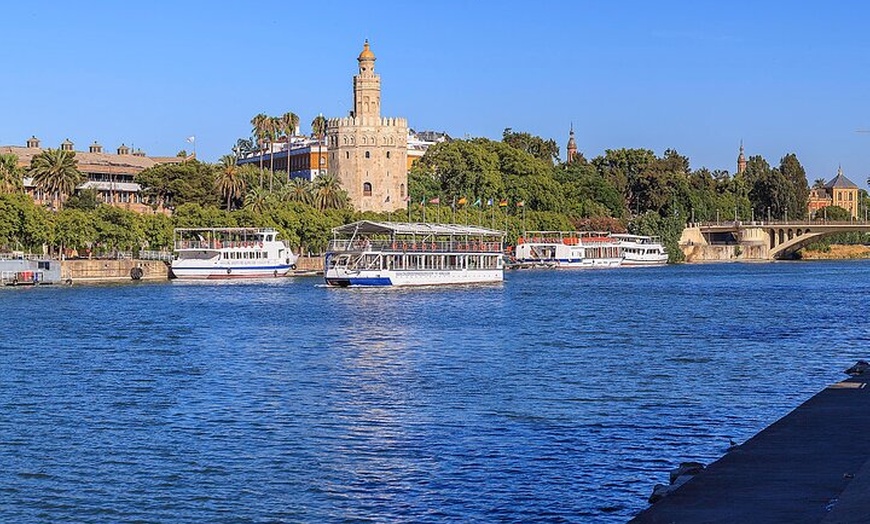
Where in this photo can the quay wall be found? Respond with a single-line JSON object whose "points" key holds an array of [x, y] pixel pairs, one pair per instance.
{"points": [[112, 270], [724, 253], [310, 263]]}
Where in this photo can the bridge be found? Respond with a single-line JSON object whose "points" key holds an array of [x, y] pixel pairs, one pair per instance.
{"points": [[768, 239]]}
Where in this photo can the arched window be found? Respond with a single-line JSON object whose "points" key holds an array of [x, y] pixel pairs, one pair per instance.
{"points": [[347, 154], [388, 156], [402, 190], [367, 189], [368, 155]]}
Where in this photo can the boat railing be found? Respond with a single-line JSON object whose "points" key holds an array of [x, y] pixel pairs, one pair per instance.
{"points": [[217, 244], [18, 255], [411, 246]]}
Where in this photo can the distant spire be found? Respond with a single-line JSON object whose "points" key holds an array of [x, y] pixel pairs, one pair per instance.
{"points": [[572, 144], [741, 160], [839, 169]]}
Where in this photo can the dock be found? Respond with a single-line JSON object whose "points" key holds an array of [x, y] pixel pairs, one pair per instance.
{"points": [[811, 466]]}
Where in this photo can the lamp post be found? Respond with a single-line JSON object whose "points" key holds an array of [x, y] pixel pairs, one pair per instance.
{"points": [[768, 213], [786, 214]]}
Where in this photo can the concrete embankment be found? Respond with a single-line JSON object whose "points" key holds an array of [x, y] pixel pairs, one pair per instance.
{"points": [[98, 270], [811, 466], [112, 270]]}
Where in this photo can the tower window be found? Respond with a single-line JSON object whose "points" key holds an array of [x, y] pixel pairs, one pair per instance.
{"points": [[347, 154], [368, 155], [388, 154], [367, 189]]}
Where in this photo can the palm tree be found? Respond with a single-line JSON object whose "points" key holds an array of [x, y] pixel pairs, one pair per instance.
{"points": [[289, 122], [11, 180], [328, 193], [262, 124], [273, 132], [55, 171], [318, 129], [298, 190], [257, 200], [230, 180], [820, 183]]}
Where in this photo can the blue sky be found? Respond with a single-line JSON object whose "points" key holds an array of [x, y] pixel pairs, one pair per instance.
{"points": [[694, 76]]}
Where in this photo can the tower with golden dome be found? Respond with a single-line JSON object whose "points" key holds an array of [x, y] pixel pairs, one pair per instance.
{"points": [[367, 152]]}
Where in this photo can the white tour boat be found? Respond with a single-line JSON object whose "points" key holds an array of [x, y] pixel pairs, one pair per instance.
{"points": [[568, 249], [230, 252], [638, 250], [370, 253]]}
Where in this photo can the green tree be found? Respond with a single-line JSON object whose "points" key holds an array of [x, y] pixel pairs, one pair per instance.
{"points": [[258, 200], [11, 176], [298, 190], [794, 173], [328, 193], [84, 199], [172, 185], [544, 150], [74, 229], [55, 172], [288, 123], [230, 181], [262, 129]]}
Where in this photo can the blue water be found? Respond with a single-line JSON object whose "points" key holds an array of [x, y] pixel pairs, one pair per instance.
{"points": [[555, 397]]}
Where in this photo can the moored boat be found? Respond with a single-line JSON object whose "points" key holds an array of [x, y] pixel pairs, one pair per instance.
{"points": [[639, 250], [20, 269], [232, 252], [368, 253], [568, 250]]}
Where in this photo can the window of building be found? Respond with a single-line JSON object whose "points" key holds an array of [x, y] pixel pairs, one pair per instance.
{"points": [[402, 190], [367, 189], [388, 154], [347, 154], [368, 155]]}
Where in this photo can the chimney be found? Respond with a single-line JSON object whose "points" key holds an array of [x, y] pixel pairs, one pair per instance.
{"points": [[123, 150], [33, 142], [66, 145], [95, 148]]}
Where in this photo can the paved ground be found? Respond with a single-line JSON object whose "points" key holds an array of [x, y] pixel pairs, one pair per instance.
{"points": [[811, 466]]}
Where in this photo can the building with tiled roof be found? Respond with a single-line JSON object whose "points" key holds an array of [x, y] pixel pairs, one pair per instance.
{"points": [[839, 191], [111, 175]]}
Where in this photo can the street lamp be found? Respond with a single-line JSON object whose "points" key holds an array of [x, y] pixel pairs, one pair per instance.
{"points": [[768, 213], [786, 214]]}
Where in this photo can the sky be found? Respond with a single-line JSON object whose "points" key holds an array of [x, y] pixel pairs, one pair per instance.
{"points": [[697, 77]]}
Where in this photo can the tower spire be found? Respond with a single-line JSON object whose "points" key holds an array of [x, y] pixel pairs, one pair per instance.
{"points": [[572, 144], [741, 160]]}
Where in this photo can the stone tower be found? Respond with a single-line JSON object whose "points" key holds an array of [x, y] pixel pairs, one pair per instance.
{"points": [[741, 160], [572, 145], [369, 153]]}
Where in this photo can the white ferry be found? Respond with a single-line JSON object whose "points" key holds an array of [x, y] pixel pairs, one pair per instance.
{"points": [[370, 253], [568, 249], [231, 252], [638, 250]]}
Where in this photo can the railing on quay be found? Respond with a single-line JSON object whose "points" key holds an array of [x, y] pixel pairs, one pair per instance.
{"points": [[414, 247], [768, 223]]}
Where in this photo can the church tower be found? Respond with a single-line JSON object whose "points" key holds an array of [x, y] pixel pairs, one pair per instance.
{"points": [[572, 145], [367, 153], [741, 160]]}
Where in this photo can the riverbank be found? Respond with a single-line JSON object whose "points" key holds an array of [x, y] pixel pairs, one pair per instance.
{"points": [[838, 252], [120, 270], [813, 465]]}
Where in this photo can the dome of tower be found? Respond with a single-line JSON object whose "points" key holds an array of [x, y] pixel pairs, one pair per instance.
{"points": [[366, 52]]}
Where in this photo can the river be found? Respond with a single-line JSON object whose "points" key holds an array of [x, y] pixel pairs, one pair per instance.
{"points": [[557, 396]]}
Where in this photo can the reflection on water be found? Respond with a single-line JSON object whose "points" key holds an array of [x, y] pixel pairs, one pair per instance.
{"points": [[557, 396]]}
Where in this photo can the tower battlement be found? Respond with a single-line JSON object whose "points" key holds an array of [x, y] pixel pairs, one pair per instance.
{"points": [[367, 121]]}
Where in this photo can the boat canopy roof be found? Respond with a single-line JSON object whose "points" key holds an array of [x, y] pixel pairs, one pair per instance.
{"points": [[235, 230], [414, 228]]}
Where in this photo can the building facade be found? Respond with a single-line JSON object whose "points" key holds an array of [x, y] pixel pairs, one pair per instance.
{"points": [[110, 175], [368, 153], [839, 191]]}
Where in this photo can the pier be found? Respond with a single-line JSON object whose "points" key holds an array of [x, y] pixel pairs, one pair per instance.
{"points": [[811, 466]]}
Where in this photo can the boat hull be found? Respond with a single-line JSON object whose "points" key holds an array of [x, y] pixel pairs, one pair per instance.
{"points": [[229, 272], [340, 278]]}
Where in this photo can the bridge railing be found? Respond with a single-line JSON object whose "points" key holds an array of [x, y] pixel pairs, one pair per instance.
{"points": [[768, 223]]}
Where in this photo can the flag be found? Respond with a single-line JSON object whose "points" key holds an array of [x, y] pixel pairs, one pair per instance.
{"points": [[191, 139], [408, 198], [462, 201], [489, 202], [436, 200], [521, 203], [476, 203], [502, 203]]}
